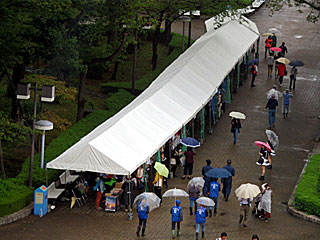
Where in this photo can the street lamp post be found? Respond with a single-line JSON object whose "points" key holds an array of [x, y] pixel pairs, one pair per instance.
{"points": [[43, 125], [23, 92], [184, 19]]}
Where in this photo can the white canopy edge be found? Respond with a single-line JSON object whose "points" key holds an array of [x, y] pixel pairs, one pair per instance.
{"points": [[128, 139]]}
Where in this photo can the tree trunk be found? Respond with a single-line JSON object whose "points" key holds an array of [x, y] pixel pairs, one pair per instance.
{"points": [[3, 173], [81, 100], [17, 75], [115, 70], [167, 32], [155, 43]]}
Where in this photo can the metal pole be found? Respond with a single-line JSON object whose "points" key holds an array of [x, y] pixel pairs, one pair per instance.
{"points": [[33, 134], [183, 24], [42, 147], [210, 116], [189, 32]]}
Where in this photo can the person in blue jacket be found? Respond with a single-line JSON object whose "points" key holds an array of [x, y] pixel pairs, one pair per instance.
{"points": [[201, 215], [143, 210], [227, 182], [214, 194], [176, 218]]}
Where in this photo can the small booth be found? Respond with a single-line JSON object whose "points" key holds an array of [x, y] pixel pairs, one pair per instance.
{"points": [[41, 201], [113, 199]]}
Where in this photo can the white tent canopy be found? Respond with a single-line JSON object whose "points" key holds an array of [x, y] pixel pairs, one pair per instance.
{"points": [[127, 140]]}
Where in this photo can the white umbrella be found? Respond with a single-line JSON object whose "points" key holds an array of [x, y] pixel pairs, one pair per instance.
{"points": [[247, 190], [205, 201], [196, 182], [273, 138], [283, 60], [148, 199], [237, 115], [175, 193]]}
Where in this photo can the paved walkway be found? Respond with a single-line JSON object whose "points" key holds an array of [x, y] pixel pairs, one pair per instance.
{"points": [[296, 134]]}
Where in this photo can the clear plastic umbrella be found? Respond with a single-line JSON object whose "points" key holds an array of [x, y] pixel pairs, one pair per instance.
{"points": [[175, 193], [148, 199], [273, 138], [247, 190], [196, 182], [237, 115], [205, 201]]}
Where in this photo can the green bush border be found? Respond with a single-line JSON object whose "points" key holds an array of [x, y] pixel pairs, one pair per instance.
{"points": [[14, 194], [307, 196]]}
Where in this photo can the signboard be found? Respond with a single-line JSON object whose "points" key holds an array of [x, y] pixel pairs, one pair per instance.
{"points": [[39, 198]]}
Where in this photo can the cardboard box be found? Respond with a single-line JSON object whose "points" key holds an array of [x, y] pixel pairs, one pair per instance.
{"points": [[118, 185]]}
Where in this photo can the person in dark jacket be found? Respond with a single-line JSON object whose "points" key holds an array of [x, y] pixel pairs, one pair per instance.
{"points": [[254, 72], [284, 49], [235, 128], [272, 105], [227, 182], [143, 211], [188, 167], [176, 218], [201, 215], [207, 180]]}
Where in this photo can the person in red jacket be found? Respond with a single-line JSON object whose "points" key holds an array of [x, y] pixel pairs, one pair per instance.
{"points": [[267, 46], [281, 70], [254, 72]]}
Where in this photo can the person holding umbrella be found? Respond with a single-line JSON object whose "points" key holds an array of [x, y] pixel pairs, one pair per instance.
{"points": [[176, 218], [214, 195], [235, 128], [188, 167], [201, 215], [264, 158], [293, 75], [143, 211], [268, 43], [282, 72], [158, 184], [245, 205], [227, 182], [194, 194]]}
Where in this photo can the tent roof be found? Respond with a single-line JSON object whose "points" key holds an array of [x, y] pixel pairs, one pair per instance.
{"points": [[128, 139]]}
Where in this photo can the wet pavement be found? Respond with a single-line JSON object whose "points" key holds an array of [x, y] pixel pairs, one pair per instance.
{"points": [[296, 135]]}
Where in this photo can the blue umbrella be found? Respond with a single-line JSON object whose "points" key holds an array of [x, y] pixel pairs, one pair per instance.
{"points": [[218, 173], [296, 63], [190, 142], [253, 61]]}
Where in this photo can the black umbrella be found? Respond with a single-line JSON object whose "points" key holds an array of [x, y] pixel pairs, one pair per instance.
{"points": [[296, 63]]}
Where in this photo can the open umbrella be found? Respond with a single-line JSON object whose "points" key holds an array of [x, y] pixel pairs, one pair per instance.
{"points": [[253, 61], [161, 169], [283, 60], [237, 115], [273, 138], [276, 49], [196, 182], [296, 63], [247, 190], [205, 201], [218, 173], [175, 193], [190, 142], [267, 34], [260, 144], [149, 199]]}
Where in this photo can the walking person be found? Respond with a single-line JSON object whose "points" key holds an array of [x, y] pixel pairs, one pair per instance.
{"points": [[188, 166], [254, 71], [235, 129], [157, 185], [264, 160], [214, 195], [282, 71], [143, 211], [276, 64], [223, 99], [201, 215], [268, 43], [207, 180], [284, 49], [273, 91], [176, 218], [270, 64], [223, 236], [227, 182], [265, 203], [245, 205], [286, 103], [293, 75], [194, 194], [272, 105], [274, 40]]}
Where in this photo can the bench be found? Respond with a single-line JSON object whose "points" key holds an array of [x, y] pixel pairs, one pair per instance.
{"points": [[53, 192], [66, 177]]}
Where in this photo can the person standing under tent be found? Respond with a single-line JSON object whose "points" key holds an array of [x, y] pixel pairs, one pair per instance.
{"points": [[157, 185], [235, 128], [188, 166], [214, 195], [143, 211], [99, 188], [201, 215], [227, 182], [254, 71], [176, 218]]}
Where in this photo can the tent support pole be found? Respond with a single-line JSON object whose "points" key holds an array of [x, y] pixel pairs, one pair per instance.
{"points": [[192, 126], [210, 118], [144, 178]]}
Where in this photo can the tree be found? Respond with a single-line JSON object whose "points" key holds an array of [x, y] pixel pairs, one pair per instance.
{"points": [[313, 7], [9, 132]]}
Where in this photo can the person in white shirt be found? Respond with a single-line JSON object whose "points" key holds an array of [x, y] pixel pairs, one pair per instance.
{"points": [[273, 91], [223, 236], [245, 205]]}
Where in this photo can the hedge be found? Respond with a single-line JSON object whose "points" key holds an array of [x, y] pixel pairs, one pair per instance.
{"points": [[141, 84], [14, 194], [307, 196]]}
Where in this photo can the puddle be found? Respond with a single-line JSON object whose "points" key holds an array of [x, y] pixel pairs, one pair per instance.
{"points": [[297, 36]]}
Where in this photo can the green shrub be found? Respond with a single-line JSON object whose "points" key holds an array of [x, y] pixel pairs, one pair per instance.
{"points": [[307, 197], [14, 194]]}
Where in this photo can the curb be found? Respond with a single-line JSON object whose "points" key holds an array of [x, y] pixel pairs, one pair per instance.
{"points": [[26, 211], [290, 208]]}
